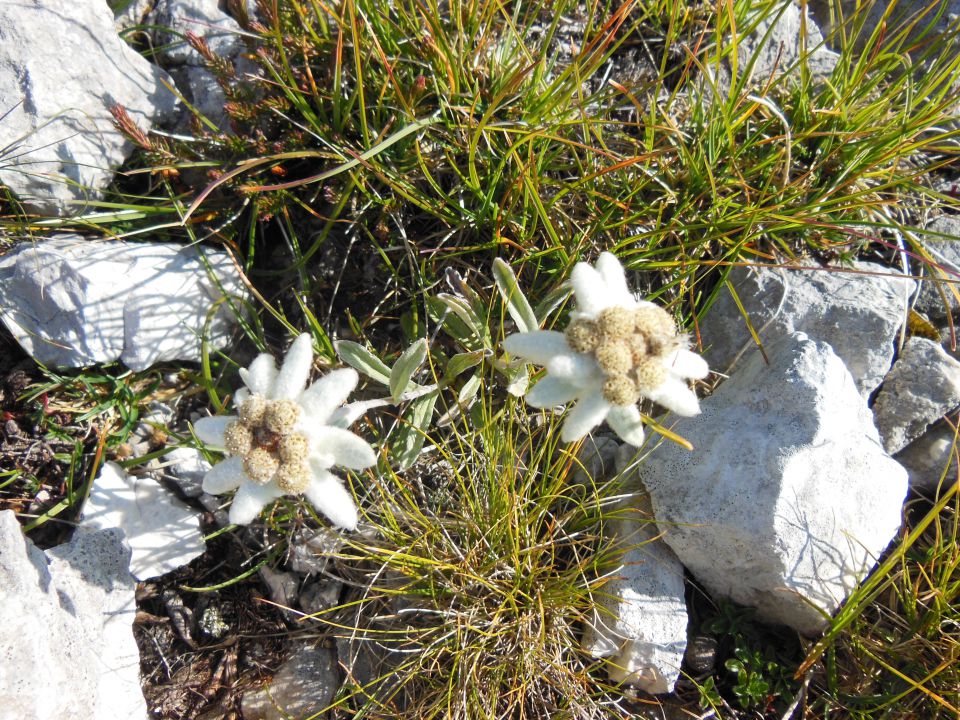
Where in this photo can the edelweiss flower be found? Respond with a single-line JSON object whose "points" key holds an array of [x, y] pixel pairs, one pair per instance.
{"points": [[285, 438], [616, 350]]}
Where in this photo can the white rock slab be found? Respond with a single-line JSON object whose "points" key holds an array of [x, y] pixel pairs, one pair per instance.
{"points": [[62, 67], [162, 532], [640, 622], [788, 497], [859, 313], [71, 301], [66, 645], [923, 385]]}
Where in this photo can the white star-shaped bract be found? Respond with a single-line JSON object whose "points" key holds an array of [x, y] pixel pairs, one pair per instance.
{"points": [[616, 350], [285, 437]]}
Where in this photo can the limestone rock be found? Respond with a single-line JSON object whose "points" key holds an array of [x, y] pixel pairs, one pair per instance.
{"points": [[788, 497], [72, 302], [858, 313], [640, 621], [175, 18], [923, 385], [773, 47], [303, 686], [66, 645], [162, 532], [941, 285], [931, 457], [62, 145]]}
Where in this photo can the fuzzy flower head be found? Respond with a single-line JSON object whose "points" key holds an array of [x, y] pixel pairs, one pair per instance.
{"points": [[285, 437], [616, 351]]}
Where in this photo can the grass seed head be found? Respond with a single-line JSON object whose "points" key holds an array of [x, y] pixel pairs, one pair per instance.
{"points": [[238, 438], [619, 389], [260, 465], [281, 415], [583, 335]]}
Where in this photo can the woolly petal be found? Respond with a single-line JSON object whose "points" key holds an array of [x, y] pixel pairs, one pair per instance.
{"points": [[537, 347], [590, 289], [224, 476], [626, 422], [241, 396], [250, 500], [336, 446], [584, 417], [685, 364], [674, 395], [328, 495], [612, 272], [260, 375], [327, 394], [550, 392], [346, 415], [295, 370], [577, 369], [210, 429]]}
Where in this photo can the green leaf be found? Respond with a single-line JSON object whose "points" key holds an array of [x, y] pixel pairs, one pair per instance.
{"points": [[407, 364], [463, 361], [364, 361], [411, 436], [517, 304], [469, 390]]}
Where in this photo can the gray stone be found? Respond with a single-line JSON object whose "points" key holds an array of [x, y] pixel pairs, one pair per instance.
{"points": [[788, 498], [773, 46], [66, 644], [939, 289], [922, 387], [320, 595], [162, 532], [858, 311], [310, 550], [283, 586], [596, 459], [72, 302], [204, 93], [931, 457], [129, 13], [302, 687], [186, 467], [62, 145], [175, 18], [640, 621]]}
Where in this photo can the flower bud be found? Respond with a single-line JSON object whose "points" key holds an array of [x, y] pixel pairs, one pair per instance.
{"points": [[293, 478], [260, 466], [281, 415], [614, 357], [620, 390], [251, 412], [238, 438], [616, 322], [582, 336]]}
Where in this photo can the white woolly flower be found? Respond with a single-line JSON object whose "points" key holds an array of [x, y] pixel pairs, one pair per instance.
{"points": [[285, 437], [616, 350]]}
